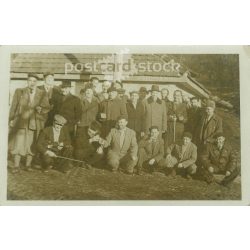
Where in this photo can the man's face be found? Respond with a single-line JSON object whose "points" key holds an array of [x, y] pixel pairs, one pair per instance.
{"points": [[105, 86], [195, 103], [91, 133], [220, 140], [209, 111], [142, 95], [32, 82], [49, 80], [57, 126], [122, 123], [95, 82], [112, 95], [65, 91], [177, 96], [186, 140], [154, 94], [134, 97], [154, 133], [89, 93], [164, 93]]}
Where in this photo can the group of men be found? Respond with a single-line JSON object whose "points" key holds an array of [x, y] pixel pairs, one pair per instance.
{"points": [[141, 132]]}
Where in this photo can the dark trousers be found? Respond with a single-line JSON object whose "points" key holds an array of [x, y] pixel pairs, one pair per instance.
{"points": [[60, 164]]}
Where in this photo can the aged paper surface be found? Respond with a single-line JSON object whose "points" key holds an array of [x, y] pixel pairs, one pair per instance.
{"points": [[142, 125]]}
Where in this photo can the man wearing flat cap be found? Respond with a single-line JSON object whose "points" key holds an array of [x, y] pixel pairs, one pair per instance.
{"points": [[154, 111], [220, 158], [110, 110], [181, 157], [122, 152], [55, 141], [135, 111], [28, 106], [209, 126], [68, 106]]}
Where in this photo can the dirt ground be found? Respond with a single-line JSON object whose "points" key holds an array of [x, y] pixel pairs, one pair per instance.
{"points": [[99, 184]]}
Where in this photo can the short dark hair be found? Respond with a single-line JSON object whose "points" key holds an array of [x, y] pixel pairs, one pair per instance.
{"points": [[95, 126], [153, 127], [122, 117]]}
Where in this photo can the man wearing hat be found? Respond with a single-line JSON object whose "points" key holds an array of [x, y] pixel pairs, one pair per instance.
{"points": [[181, 157], [151, 152], [87, 147], [219, 158], [209, 125], [110, 110], [155, 111], [122, 147], [121, 95], [68, 106], [143, 93], [28, 104], [55, 141], [135, 111]]}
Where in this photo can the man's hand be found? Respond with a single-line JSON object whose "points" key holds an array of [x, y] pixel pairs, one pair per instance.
{"points": [[181, 118], [101, 141], [38, 109], [11, 123], [211, 169], [50, 153], [134, 158], [180, 165], [142, 134], [151, 162], [99, 151], [228, 173], [60, 146]]}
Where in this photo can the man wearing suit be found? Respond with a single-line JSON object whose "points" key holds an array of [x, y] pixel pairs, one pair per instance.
{"points": [[28, 106], [87, 147], [122, 147], [209, 126], [181, 158], [135, 114], [220, 158], [68, 106], [110, 110], [55, 141], [151, 152], [51, 92]]}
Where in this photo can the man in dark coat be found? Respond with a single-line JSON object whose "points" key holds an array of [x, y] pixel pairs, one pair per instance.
{"points": [[177, 117], [51, 93], [209, 126], [110, 110], [87, 147], [135, 114], [55, 141], [68, 106], [194, 114], [151, 152], [220, 158]]}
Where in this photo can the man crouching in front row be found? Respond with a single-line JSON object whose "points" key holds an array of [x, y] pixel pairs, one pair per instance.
{"points": [[122, 147], [181, 158], [54, 142]]}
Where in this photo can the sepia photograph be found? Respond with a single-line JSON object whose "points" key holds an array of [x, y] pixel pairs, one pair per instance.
{"points": [[124, 126]]}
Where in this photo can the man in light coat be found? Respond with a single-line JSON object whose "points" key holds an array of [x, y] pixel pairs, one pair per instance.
{"points": [[154, 111], [122, 147]]}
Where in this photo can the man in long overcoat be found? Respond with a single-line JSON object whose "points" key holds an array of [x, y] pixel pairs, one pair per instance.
{"points": [[154, 112]]}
